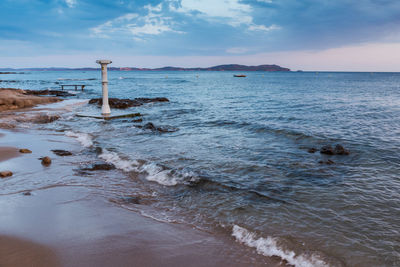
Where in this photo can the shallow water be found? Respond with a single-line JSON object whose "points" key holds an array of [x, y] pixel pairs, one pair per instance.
{"points": [[238, 162]]}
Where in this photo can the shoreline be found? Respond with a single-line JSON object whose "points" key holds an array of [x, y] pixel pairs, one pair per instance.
{"points": [[69, 223]]}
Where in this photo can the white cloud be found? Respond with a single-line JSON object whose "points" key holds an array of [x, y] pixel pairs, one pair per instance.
{"points": [[265, 1], [230, 12], [254, 27], [138, 26], [71, 3]]}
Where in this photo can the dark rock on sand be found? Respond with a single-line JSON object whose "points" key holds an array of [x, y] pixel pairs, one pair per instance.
{"points": [[27, 193], [25, 151], [46, 161], [312, 150], [5, 174], [328, 150], [340, 150], [328, 162], [127, 103], [100, 167], [41, 119], [61, 153]]}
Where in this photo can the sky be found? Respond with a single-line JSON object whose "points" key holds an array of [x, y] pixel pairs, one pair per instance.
{"points": [[330, 35]]}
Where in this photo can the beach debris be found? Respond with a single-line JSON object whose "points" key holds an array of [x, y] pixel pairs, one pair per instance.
{"points": [[42, 119], [338, 150], [127, 103], [312, 150], [46, 161], [25, 151], [61, 153], [163, 129], [5, 174], [328, 162], [27, 193]]}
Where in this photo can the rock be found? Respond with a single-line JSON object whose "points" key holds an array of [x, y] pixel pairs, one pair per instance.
{"points": [[127, 103], [27, 193], [25, 151], [131, 200], [41, 119], [138, 120], [100, 167], [5, 174], [312, 150], [329, 162], [328, 150], [61, 153], [164, 129], [48, 92], [340, 150], [46, 161]]}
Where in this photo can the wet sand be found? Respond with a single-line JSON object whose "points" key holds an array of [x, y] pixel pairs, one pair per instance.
{"points": [[8, 153], [72, 224]]}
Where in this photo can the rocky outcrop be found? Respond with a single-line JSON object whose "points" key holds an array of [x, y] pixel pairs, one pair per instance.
{"points": [[127, 103], [100, 167], [48, 92], [11, 99], [163, 129]]}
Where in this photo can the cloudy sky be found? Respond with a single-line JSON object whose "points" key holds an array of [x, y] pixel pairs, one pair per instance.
{"points": [[361, 35]]}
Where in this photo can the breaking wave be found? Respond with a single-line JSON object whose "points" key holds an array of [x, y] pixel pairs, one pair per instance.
{"points": [[83, 138]]}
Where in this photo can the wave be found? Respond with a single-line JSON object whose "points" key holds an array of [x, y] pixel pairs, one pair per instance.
{"points": [[269, 247], [83, 138], [154, 172]]}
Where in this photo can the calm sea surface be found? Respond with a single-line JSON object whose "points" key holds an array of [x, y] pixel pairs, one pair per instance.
{"points": [[236, 158]]}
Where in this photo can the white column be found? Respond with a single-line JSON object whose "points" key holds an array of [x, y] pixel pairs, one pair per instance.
{"points": [[105, 108]]}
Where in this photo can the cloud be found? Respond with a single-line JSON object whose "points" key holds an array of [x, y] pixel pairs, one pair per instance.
{"points": [[139, 27], [254, 27], [231, 12], [237, 50], [71, 3]]}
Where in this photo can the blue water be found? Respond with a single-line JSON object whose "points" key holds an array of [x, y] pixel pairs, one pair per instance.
{"points": [[240, 155]]}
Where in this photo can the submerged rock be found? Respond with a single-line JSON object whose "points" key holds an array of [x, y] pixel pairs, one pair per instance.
{"points": [[312, 150], [100, 167], [338, 150], [61, 153], [41, 119], [328, 150], [138, 120], [127, 103], [5, 174], [27, 193], [25, 151], [163, 129], [329, 162], [46, 161]]}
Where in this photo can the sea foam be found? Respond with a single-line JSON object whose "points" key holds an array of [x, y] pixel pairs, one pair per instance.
{"points": [[83, 138], [154, 172], [269, 247]]}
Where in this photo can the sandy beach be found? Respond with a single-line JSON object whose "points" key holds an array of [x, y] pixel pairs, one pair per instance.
{"points": [[68, 224]]}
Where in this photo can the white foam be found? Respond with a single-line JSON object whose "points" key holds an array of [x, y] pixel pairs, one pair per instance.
{"points": [[159, 175], [269, 247], [83, 138], [119, 163]]}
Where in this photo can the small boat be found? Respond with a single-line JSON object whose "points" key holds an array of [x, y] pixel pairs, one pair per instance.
{"points": [[239, 75]]}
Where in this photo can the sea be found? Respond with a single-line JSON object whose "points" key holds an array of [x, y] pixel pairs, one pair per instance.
{"points": [[233, 157]]}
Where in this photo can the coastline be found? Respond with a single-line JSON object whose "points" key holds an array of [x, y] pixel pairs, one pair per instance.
{"points": [[67, 223]]}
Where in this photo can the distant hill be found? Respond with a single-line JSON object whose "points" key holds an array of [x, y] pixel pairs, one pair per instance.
{"points": [[229, 67]]}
